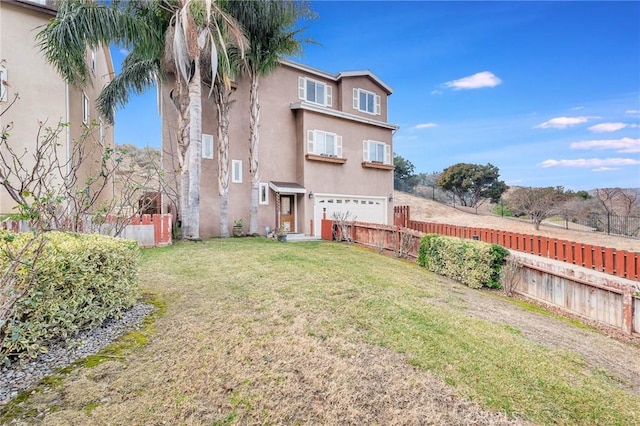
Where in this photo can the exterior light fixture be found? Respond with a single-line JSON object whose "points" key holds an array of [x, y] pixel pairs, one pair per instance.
{"points": [[390, 197], [310, 194]]}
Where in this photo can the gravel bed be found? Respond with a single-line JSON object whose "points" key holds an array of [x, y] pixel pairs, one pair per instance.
{"points": [[18, 377]]}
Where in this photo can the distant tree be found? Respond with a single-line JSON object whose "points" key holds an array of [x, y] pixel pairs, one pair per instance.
{"points": [[404, 177], [472, 183], [537, 203], [583, 194], [572, 205], [428, 179], [614, 211], [606, 199], [628, 203], [502, 208]]}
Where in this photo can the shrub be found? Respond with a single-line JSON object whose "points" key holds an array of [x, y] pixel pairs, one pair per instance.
{"points": [[56, 284], [473, 263]]}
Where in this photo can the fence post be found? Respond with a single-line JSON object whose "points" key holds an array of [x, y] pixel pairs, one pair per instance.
{"points": [[597, 254], [579, 258], [553, 254], [608, 261], [627, 310], [588, 256], [620, 263]]}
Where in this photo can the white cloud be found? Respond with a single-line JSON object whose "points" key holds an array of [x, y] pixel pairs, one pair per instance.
{"points": [[605, 169], [610, 127], [562, 122], [632, 112], [425, 125], [437, 92], [590, 162], [124, 51], [624, 145], [577, 108], [475, 81]]}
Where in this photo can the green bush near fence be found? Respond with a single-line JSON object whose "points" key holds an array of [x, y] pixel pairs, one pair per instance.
{"points": [[57, 284], [473, 263]]}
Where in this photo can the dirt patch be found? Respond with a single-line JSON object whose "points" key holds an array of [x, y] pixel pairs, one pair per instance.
{"points": [[616, 354]]}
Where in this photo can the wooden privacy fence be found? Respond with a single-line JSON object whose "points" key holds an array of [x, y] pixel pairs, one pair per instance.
{"points": [[148, 230], [404, 242], [620, 263]]}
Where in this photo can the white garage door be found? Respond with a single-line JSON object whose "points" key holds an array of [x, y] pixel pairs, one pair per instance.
{"points": [[362, 209]]}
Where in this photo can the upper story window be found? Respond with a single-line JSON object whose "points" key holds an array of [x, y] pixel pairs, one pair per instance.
{"points": [[376, 152], [93, 61], [85, 109], [366, 101], [324, 143], [236, 171], [207, 146], [315, 91]]}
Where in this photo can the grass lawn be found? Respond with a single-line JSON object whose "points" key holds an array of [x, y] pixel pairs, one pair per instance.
{"points": [[260, 332]]}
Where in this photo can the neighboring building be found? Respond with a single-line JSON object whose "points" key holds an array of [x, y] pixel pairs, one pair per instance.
{"points": [[44, 96], [325, 147]]}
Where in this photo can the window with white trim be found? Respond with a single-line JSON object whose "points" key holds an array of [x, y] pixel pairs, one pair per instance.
{"points": [[236, 171], [263, 193], [4, 85], [366, 101], [207, 146], [315, 91], [376, 152], [93, 61], [85, 109], [324, 143]]}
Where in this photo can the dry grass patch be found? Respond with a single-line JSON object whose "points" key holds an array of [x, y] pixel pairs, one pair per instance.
{"points": [[258, 332]]}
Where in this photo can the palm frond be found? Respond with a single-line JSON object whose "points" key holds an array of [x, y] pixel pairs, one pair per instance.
{"points": [[268, 25], [80, 25], [135, 77]]}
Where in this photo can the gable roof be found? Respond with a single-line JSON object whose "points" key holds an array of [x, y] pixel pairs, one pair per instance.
{"points": [[339, 76]]}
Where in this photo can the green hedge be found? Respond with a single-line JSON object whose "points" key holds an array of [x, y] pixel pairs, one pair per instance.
{"points": [[63, 283], [473, 263]]}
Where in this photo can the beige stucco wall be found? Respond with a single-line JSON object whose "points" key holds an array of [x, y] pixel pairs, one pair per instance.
{"points": [[282, 150], [44, 97]]}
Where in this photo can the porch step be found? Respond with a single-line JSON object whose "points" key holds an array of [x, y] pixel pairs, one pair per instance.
{"points": [[301, 237]]}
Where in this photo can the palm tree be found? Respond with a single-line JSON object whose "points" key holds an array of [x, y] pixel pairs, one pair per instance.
{"points": [[186, 31], [228, 66], [268, 26], [221, 95], [194, 34]]}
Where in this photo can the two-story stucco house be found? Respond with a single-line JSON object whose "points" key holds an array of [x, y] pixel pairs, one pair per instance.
{"points": [[43, 94], [325, 147]]}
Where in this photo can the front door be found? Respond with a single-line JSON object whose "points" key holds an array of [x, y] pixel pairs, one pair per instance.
{"points": [[287, 212]]}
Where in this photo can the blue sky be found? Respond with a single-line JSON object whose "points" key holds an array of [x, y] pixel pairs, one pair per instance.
{"points": [[549, 92]]}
